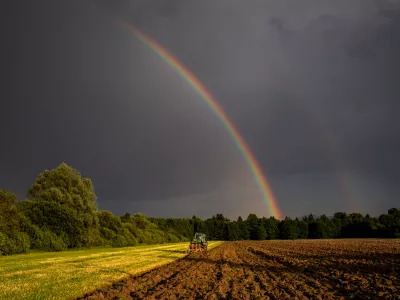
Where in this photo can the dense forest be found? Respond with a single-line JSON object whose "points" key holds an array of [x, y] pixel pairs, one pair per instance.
{"points": [[61, 212]]}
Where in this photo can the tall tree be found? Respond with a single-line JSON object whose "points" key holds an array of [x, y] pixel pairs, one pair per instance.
{"points": [[271, 227], [244, 233], [64, 202], [302, 229], [288, 229], [65, 185], [233, 231], [261, 233], [252, 224]]}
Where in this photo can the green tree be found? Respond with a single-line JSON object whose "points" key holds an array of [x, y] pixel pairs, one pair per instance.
{"points": [[288, 229], [302, 229], [126, 217], [108, 220], [341, 216], [61, 220], [244, 233], [271, 227], [318, 230], [253, 223], [65, 185], [261, 233], [64, 202], [395, 224], [233, 231], [9, 216]]}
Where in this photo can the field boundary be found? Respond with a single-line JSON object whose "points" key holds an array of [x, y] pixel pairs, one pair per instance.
{"points": [[120, 282], [53, 275], [288, 269]]}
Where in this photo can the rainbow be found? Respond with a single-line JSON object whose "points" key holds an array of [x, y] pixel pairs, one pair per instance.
{"points": [[195, 83]]}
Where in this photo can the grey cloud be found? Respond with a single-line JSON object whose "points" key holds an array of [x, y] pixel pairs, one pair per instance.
{"points": [[311, 85]]}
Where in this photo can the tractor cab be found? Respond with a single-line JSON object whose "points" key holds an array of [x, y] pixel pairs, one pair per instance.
{"points": [[200, 238]]}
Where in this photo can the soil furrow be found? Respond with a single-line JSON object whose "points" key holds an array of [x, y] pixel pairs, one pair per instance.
{"points": [[271, 270]]}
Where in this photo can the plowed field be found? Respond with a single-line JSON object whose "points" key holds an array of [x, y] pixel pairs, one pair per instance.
{"points": [[319, 269]]}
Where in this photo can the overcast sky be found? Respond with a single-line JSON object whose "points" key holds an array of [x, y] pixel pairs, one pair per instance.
{"points": [[312, 85]]}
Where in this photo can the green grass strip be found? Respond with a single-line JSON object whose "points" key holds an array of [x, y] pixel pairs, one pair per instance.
{"points": [[69, 274]]}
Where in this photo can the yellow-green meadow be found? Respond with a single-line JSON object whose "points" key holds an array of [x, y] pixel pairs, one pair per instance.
{"points": [[69, 274]]}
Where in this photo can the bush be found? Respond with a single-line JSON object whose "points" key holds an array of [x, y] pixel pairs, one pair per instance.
{"points": [[171, 238], [22, 242], [57, 245], [131, 228], [46, 240], [119, 241], [18, 242], [59, 219], [154, 237], [108, 234], [130, 239], [7, 245], [95, 238], [261, 233], [108, 220]]}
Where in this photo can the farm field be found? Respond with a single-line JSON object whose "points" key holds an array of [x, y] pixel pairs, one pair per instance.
{"points": [[69, 274], [302, 269]]}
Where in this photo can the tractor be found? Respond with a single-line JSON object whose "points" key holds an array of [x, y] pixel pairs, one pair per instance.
{"points": [[199, 243]]}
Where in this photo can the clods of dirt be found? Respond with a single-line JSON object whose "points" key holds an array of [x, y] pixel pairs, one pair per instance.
{"points": [[272, 270]]}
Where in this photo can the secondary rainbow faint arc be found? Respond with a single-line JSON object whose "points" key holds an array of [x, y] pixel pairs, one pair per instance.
{"points": [[193, 81]]}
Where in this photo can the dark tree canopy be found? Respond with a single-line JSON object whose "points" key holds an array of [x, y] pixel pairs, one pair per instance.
{"points": [[61, 212], [9, 217], [64, 185]]}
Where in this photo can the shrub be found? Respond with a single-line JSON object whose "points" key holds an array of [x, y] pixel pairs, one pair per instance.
{"points": [[130, 239], [59, 219], [22, 242], [9, 217], [119, 241], [131, 228], [172, 238], [7, 245], [108, 220], [57, 245], [95, 238], [108, 234], [46, 240]]}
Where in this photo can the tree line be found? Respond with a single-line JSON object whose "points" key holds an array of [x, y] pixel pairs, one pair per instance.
{"points": [[60, 212]]}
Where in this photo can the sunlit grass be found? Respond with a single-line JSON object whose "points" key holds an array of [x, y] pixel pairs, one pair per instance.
{"points": [[69, 274]]}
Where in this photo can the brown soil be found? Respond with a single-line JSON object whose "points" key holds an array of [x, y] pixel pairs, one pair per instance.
{"points": [[354, 269]]}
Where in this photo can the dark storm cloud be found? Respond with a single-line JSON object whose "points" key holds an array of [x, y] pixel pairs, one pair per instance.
{"points": [[312, 86], [83, 90]]}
